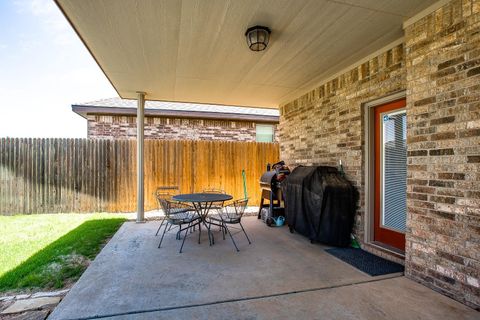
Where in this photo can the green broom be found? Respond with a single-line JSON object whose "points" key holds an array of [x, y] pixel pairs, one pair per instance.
{"points": [[244, 175]]}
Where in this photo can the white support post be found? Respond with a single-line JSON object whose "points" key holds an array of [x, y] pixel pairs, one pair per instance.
{"points": [[140, 141]]}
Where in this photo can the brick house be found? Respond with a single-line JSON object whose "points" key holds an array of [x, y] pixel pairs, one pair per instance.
{"points": [[403, 71], [115, 118]]}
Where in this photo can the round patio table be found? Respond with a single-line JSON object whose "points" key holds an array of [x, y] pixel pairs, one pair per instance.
{"points": [[202, 202]]}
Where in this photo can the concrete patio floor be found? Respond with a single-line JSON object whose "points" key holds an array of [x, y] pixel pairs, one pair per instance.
{"points": [[279, 276]]}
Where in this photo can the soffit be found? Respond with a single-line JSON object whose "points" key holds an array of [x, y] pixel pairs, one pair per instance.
{"points": [[195, 50]]}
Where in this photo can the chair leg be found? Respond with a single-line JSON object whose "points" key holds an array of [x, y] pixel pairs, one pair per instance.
{"points": [[161, 224], [228, 230], [220, 228], [185, 237], [179, 235], [209, 225], [249, 242], [163, 234], [211, 239]]}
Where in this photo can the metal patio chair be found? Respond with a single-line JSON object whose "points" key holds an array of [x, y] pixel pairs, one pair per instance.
{"points": [[167, 192], [176, 215], [228, 216]]}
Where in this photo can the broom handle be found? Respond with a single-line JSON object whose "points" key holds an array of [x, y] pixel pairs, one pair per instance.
{"points": [[244, 183]]}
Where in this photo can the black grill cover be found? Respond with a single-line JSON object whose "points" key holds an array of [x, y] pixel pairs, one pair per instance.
{"points": [[320, 204]]}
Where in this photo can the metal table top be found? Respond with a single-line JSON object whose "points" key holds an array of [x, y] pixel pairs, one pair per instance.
{"points": [[202, 197]]}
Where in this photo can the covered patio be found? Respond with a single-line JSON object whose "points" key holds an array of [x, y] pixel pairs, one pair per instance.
{"points": [[330, 67], [279, 276]]}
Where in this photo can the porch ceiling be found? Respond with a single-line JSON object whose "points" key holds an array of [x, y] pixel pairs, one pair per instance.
{"points": [[195, 51]]}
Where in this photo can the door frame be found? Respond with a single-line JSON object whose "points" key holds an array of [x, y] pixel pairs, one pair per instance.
{"points": [[369, 163]]}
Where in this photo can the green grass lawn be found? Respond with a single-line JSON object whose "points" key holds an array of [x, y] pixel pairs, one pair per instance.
{"points": [[50, 250]]}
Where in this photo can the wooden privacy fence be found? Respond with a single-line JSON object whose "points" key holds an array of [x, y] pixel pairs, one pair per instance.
{"points": [[82, 175]]}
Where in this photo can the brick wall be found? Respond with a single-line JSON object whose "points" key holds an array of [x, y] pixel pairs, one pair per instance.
{"points": [[443, 72], [326, 124], [439, 66], [103, 126]]}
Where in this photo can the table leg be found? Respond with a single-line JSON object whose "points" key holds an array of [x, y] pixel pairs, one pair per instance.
{"points": [[202, 212]]}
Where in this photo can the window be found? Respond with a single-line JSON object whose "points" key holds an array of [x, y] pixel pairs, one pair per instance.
{"points": [[264, 133]]}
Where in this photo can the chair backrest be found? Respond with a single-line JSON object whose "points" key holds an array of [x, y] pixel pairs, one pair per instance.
{"points": [[240, 206], [217, 204], [167, 206], [236, 209], [214, 190], [165, 192], [164, 205]]}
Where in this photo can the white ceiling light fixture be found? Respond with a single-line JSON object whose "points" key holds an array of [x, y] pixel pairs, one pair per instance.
{"points": [[257, 38]]}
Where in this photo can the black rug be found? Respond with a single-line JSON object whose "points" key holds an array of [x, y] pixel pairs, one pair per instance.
{"points": [[365, 261]]}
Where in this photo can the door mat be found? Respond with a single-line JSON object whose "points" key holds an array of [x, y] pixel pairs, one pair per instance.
{"points": [[365, 261]]}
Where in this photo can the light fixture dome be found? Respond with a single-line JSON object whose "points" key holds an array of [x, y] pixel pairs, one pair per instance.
{"points": [[257, 38]]}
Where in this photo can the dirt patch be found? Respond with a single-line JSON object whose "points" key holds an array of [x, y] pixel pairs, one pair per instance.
{"points": [[69, 261]]}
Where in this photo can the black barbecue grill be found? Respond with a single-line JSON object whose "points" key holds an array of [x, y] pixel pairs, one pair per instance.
{"points": [[320, 203], [270, 185], [269, 182]]}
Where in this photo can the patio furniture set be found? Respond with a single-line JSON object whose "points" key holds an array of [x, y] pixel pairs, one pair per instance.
{"points": [[212, 207]]}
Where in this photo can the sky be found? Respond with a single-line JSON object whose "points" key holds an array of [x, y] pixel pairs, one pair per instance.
{"points": [[44, 69]]}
